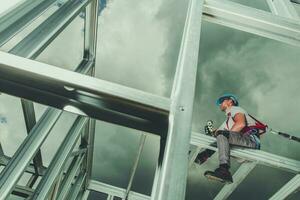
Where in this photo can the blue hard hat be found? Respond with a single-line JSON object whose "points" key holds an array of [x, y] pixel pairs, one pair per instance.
{"points": [[227, 96]]}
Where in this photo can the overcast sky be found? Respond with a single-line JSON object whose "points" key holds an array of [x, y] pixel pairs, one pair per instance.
{"points": [[138, 47]]}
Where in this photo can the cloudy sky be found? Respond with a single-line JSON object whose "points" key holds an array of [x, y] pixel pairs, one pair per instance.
{"points": [[138, 47]]}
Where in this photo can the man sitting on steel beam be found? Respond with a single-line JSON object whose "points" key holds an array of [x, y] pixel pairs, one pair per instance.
{"points": [[239, 129]]}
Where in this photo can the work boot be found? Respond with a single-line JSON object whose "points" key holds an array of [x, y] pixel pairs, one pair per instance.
{"points": [[221, 174]]}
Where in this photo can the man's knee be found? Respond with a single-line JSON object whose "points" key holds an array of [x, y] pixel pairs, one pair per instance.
{"points": [[223, 132]]}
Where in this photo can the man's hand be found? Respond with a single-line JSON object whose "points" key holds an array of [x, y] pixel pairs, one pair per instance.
{"points": [[239, 122]]}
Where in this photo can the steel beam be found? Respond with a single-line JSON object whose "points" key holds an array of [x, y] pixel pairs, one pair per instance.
{"points": [[296, 1], [110, 197], [135, 165], [4, 160], [238, 177], [58, 162], [172, 171], [115, 191], [77, 186], [252, 20], [287, 189], [33, 44], [283, 8], [86, 195], [193, 154], [22, 15], [81, 94], [17, 165], [69, 177], [262, 157], [30, 121], [90, 49], [22, 191], [90, 31]]}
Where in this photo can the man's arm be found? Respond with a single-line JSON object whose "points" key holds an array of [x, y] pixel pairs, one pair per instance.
{"points": [[239, 122]]}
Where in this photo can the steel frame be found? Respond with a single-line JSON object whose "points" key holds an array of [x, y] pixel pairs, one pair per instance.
{"points": [[102, 100]]}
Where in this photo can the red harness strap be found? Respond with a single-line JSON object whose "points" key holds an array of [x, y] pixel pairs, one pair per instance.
{"points": [[261, 127]]}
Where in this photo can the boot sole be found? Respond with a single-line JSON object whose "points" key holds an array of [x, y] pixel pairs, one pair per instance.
{"points": [[218, 179]]}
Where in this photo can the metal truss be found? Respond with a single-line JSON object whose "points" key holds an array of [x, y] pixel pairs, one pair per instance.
{"points": [[69, 174]]}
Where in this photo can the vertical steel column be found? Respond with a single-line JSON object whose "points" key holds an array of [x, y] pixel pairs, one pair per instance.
{"points": [[141, 146], [283, 8], [90, 46], [173, 170]]}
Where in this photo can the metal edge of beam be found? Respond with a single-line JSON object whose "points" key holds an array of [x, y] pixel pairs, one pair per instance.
{"points": [[135, 165], [283, 8], [97, 98], [193, 154], [115, 191], [69, 177], [261, 157], [110, 197], [287, 189], [241, 173], [30, 121], [77, 186], [34, 43], [17, 165], [296, 1], [90, 50], [75, 81], [16, 19], [86, 195], [172, 171], [22, 191], [252, 20], [30, 168], [58, 162]]}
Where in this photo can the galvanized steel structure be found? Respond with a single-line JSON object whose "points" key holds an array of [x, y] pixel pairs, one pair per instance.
{"points": [[95, 99]]}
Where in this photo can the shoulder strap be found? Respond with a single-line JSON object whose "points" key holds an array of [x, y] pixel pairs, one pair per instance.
{"points": [[256, 120]]}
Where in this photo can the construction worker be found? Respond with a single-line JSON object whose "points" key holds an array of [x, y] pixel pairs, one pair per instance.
{"points": [[238, 129]]}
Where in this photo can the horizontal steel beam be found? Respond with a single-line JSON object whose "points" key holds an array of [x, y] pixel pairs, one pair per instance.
{"points": [[252, 20], [20, 16], [34, 43], [261, 157], [82, 94], [115, 191]]}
